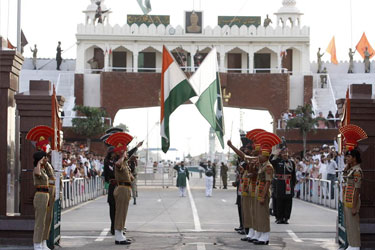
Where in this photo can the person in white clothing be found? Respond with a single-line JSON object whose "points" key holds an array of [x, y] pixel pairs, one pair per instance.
{"points": [[209, 171]]}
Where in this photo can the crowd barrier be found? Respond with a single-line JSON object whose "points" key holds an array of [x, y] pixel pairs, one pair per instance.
{"points": [[318, 192], [78, 190]]}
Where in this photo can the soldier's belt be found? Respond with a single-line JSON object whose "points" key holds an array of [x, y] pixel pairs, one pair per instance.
{"points": [[43, 190], [128, 184], [283, 176], [51, 183]]}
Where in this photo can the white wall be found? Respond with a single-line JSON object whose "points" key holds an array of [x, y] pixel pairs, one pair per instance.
{"points": [[244, 65], [296, 91], [296, 61], [91, 90], [159, 61]]}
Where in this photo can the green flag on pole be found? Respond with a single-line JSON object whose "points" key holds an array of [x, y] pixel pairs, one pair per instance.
{"points": [[145, 6], [206, 83]]}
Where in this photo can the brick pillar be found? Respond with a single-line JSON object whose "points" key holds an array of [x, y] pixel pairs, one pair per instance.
{"points": [[362, 114], [10, 66], [34, 109]]}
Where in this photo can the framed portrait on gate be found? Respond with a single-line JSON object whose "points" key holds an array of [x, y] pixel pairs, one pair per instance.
{"points": [[193, 22]]}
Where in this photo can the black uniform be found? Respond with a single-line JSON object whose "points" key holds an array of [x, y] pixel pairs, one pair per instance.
{"points": [[214, 172], [284, 182], [238, 199], [109, 176]]}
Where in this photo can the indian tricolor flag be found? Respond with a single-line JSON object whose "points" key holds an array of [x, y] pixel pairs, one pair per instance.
{"points": [[175, 91]]}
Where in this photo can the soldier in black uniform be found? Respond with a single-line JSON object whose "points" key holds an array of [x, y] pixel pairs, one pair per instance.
{"points": [[284, 181], [109, 176]]}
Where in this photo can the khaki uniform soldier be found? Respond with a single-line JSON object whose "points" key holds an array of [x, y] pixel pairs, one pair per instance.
{"points": [[122, 192], [41, 199], [122, 196], [253, 235], [52, 194], [352, 184], [224, 174], [245, 202], [247, 185], [42, 170], [265, 174]]}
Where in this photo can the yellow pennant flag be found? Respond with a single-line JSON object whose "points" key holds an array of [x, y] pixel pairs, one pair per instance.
{"points": [[332, 50]]}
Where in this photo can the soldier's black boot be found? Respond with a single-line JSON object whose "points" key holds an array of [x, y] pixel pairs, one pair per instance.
{"points": [[135, 201]]}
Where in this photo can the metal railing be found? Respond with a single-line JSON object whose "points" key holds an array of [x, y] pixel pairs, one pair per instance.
{"points": [[191, 69], [155, 176], [78, 190], [318, 191]]}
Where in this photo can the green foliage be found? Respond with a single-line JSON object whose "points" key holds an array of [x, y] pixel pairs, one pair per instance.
{"points": [[304, 120], [93, 124], [123, 126]]}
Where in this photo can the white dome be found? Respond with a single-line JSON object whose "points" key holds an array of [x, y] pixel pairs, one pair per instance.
{"points": [[93, 6], [289, 6], [289, 3]]}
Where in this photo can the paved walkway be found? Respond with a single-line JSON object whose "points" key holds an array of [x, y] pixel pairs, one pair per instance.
{"points": [[162, 220]]}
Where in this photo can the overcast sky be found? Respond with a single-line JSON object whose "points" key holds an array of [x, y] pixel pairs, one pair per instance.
{"points": [[45, 22]]}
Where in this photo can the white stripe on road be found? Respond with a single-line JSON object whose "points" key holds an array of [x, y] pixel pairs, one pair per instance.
{"points": [[103, 234], [201, 246], [159, 200], [197, 223], [294, 236], [223, 200]]}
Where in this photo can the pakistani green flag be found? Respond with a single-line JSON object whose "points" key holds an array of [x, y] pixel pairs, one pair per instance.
{"points": [[209, 101], [145, 6]]}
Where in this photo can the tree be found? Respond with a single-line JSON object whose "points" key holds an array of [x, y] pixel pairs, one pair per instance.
{"points": [[304, 121], [91, 124], [123, 126]]}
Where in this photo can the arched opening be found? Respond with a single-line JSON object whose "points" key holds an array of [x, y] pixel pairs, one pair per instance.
{"points": [[291, 60], [182, 57], [189, 131], [121, 59], [237, 61], [94, 59], [149, 60], [265, 61]]}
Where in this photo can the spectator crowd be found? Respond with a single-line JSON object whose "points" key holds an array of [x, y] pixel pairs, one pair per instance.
{"points": [[79, 162], [322, 163]]}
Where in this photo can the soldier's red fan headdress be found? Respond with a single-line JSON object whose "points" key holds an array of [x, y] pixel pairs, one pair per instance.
{"points": [[251, 135], [119, 140], [352, 134], [267, 140], [40, 135]]}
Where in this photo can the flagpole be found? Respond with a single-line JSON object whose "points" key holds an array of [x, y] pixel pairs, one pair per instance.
{"points": [[351, 24], [18, 26]]}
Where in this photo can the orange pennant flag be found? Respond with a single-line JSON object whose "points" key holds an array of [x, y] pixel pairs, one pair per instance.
{"points": [[332, 50], [362, 45]]}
